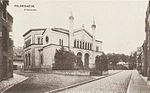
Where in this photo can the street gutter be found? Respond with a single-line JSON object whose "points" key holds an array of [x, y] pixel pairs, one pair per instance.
{"points": [[129, 85]]}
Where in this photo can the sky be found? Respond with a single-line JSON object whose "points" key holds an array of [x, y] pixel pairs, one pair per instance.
{"points": [[120, 23]]}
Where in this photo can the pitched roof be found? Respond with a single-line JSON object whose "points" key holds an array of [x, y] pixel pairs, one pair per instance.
{"points": [[84, 31]]}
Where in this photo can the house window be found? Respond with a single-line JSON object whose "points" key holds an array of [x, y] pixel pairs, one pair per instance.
{"points": [[28, 43], [41, 40], [61, 42], [97, 48]]}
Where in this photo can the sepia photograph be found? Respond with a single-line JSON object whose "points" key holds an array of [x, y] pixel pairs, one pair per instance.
{"points": [[74, 46]]}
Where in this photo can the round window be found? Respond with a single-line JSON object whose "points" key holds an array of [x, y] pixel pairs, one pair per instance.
{"points": [[47, 39]]}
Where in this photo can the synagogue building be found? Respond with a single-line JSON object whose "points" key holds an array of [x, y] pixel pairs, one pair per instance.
{"points": [[40, 45]]}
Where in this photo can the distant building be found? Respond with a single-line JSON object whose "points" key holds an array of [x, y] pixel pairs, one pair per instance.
{"points": [[18, 62], [6, 43], [40, 45], [123, 64]]}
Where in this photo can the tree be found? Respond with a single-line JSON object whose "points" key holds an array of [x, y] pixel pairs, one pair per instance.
{"points": [[132, 61], [124, 57], [113, 58], [64, 60], [101, 62], [104, 62], [98, 63]]}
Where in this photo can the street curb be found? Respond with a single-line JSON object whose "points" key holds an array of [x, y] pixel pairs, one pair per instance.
{"points": [[8, 87], [81, 83], [129, 85]]}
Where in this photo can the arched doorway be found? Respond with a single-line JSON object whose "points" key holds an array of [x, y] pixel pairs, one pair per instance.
{"points": [[86, 61], [79, 60]]}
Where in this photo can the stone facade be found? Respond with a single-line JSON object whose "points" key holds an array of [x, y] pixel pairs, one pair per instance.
{"points": [[41, 44], [6, 43]]}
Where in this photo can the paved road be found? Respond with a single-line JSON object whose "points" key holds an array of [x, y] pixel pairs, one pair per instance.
{"points": [[117, 83]]}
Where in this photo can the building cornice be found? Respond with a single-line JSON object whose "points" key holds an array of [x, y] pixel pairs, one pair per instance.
{"points": [[37, 29]]}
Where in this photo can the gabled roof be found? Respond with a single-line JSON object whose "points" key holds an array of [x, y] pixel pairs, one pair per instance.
{"points": [[36, 29], [82, 29], [62, 30]]}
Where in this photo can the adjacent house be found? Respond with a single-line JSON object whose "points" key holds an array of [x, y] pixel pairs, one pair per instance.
{"points": [[6, 42]]}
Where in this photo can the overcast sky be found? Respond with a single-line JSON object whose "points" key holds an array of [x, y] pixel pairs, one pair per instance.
{"points": [[120, 23]]}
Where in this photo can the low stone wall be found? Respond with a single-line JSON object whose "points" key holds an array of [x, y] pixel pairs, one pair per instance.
{"points": [[76, 72], [72, 72]]}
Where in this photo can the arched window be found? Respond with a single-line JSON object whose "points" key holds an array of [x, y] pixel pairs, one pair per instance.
{"points": [[26, 59], [80, 44], [75, 43], [83, 45], [29, 58], [41, 59], [46, 39], [90, 46], [86, 45]]}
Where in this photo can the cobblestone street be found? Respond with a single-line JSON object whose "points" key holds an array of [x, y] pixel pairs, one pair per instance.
{"points": [[117, 83]]}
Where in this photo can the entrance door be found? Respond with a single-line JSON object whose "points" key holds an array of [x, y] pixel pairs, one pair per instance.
{"points": [[79, 60]]}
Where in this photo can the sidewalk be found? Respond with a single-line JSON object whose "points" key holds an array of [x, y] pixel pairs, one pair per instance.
{"points": [[5, 84], [145, 78], [137, 84]]}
